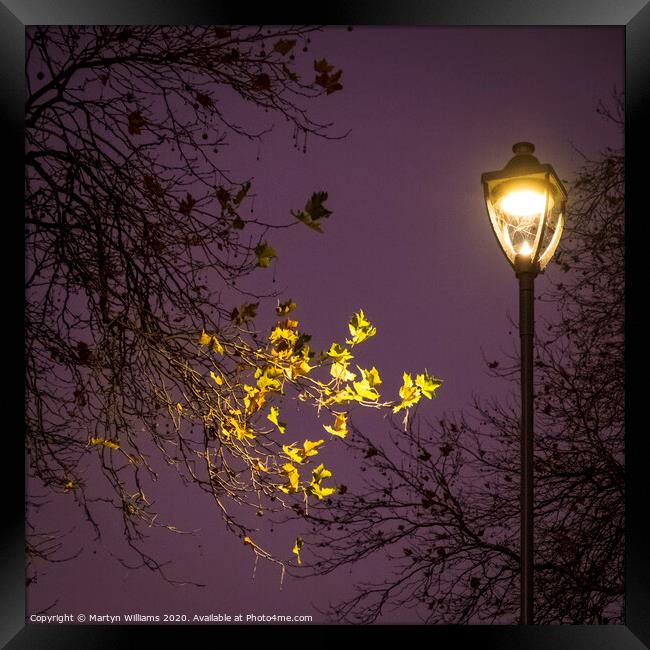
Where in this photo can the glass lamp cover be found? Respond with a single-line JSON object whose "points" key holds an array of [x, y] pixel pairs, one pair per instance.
{"points": [[525, 201]]}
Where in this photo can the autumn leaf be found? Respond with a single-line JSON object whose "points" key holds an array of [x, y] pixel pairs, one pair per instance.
{"points": [[283, 339], [217, 379], [330, 82], [254, 399], [211, 341], [136, 122], [339, 353], [293, 477], [232, 426], [314, 488], [296, 548], [315, 208], [340, 372], [309, 447], [340, 428], [292, 453], [320, 473], [106, 443], [360, 328], [289, 324], [265, 254], [427, 384], [241, 195], [285, 307], [284, 46], [313, 211], [322, 66], [365, 390], [298, 368], [267, 378], [273, 416], [371, 376], [298, 455], [223, 196], [186, 205], [409, 392], [346, 395], [244, 313]]}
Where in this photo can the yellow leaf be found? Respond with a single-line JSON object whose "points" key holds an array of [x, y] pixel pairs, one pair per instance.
{"points": [[217, 379], [315, 488], [254, 399], [296, 548], [215, 346], [283, 337], [365, 391], [232, 426], [179, 407], [204, 339], [427, 384], [309, 447], [340, 372], [360, 328], [319, 491], [106, 443], [267, 384], [299, 365], [259, 466], [285, 307], [273, 416], [296, 455], [340, 427], [409, 392], [293, 476], [291, 324], [346, 395], [320, 473], [371, 376], [339, 353]]}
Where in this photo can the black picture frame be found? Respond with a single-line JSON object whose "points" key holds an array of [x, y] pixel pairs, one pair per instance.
{"points": [[632, 15]]}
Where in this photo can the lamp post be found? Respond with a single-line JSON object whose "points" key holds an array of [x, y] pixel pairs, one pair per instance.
{"points": [[526, 203]]}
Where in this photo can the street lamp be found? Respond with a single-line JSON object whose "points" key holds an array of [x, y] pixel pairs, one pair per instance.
{"points": [[526, 203]]}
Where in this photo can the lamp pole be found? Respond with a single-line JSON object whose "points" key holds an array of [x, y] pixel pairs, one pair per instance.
{"points": [[526, 273], [526, 202]]}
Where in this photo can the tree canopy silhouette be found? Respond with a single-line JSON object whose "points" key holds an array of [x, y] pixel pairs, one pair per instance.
{"points": [[141, 352], [440, 503]]}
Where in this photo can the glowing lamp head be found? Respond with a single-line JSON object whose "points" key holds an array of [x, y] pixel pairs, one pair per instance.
{"points": [[525, 202]]}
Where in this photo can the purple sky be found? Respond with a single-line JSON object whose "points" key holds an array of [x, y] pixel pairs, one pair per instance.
{"points": [[409, 241]]}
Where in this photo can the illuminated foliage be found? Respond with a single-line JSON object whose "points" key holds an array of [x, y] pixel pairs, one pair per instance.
{"points": [[139, 355]]}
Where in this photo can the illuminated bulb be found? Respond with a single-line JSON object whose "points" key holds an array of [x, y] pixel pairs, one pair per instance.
{"points": [[524, 203], [525, 249]]}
